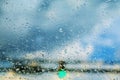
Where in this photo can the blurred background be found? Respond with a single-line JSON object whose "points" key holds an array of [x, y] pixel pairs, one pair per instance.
{"points": [[35, 35]]}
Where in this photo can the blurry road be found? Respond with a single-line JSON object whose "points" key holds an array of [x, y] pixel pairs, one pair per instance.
{"points": [[53, 76]]}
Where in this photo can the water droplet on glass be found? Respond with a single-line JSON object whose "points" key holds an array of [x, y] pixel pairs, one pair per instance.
{"points": [[60, 30]]}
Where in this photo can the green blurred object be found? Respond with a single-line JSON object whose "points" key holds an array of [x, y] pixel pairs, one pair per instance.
{"points": [[62, 73]]}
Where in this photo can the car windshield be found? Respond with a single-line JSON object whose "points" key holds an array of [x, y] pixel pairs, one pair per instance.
{"points": [[59, 40]]}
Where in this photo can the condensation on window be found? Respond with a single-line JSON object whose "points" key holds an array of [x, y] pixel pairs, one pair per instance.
{"points": [[59, 40]]}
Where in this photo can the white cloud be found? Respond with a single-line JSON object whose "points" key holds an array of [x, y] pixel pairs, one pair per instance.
{"points": [[73, 51]]}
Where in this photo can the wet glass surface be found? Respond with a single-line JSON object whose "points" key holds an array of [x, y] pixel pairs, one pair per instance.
{"points": [[59, 40]]}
